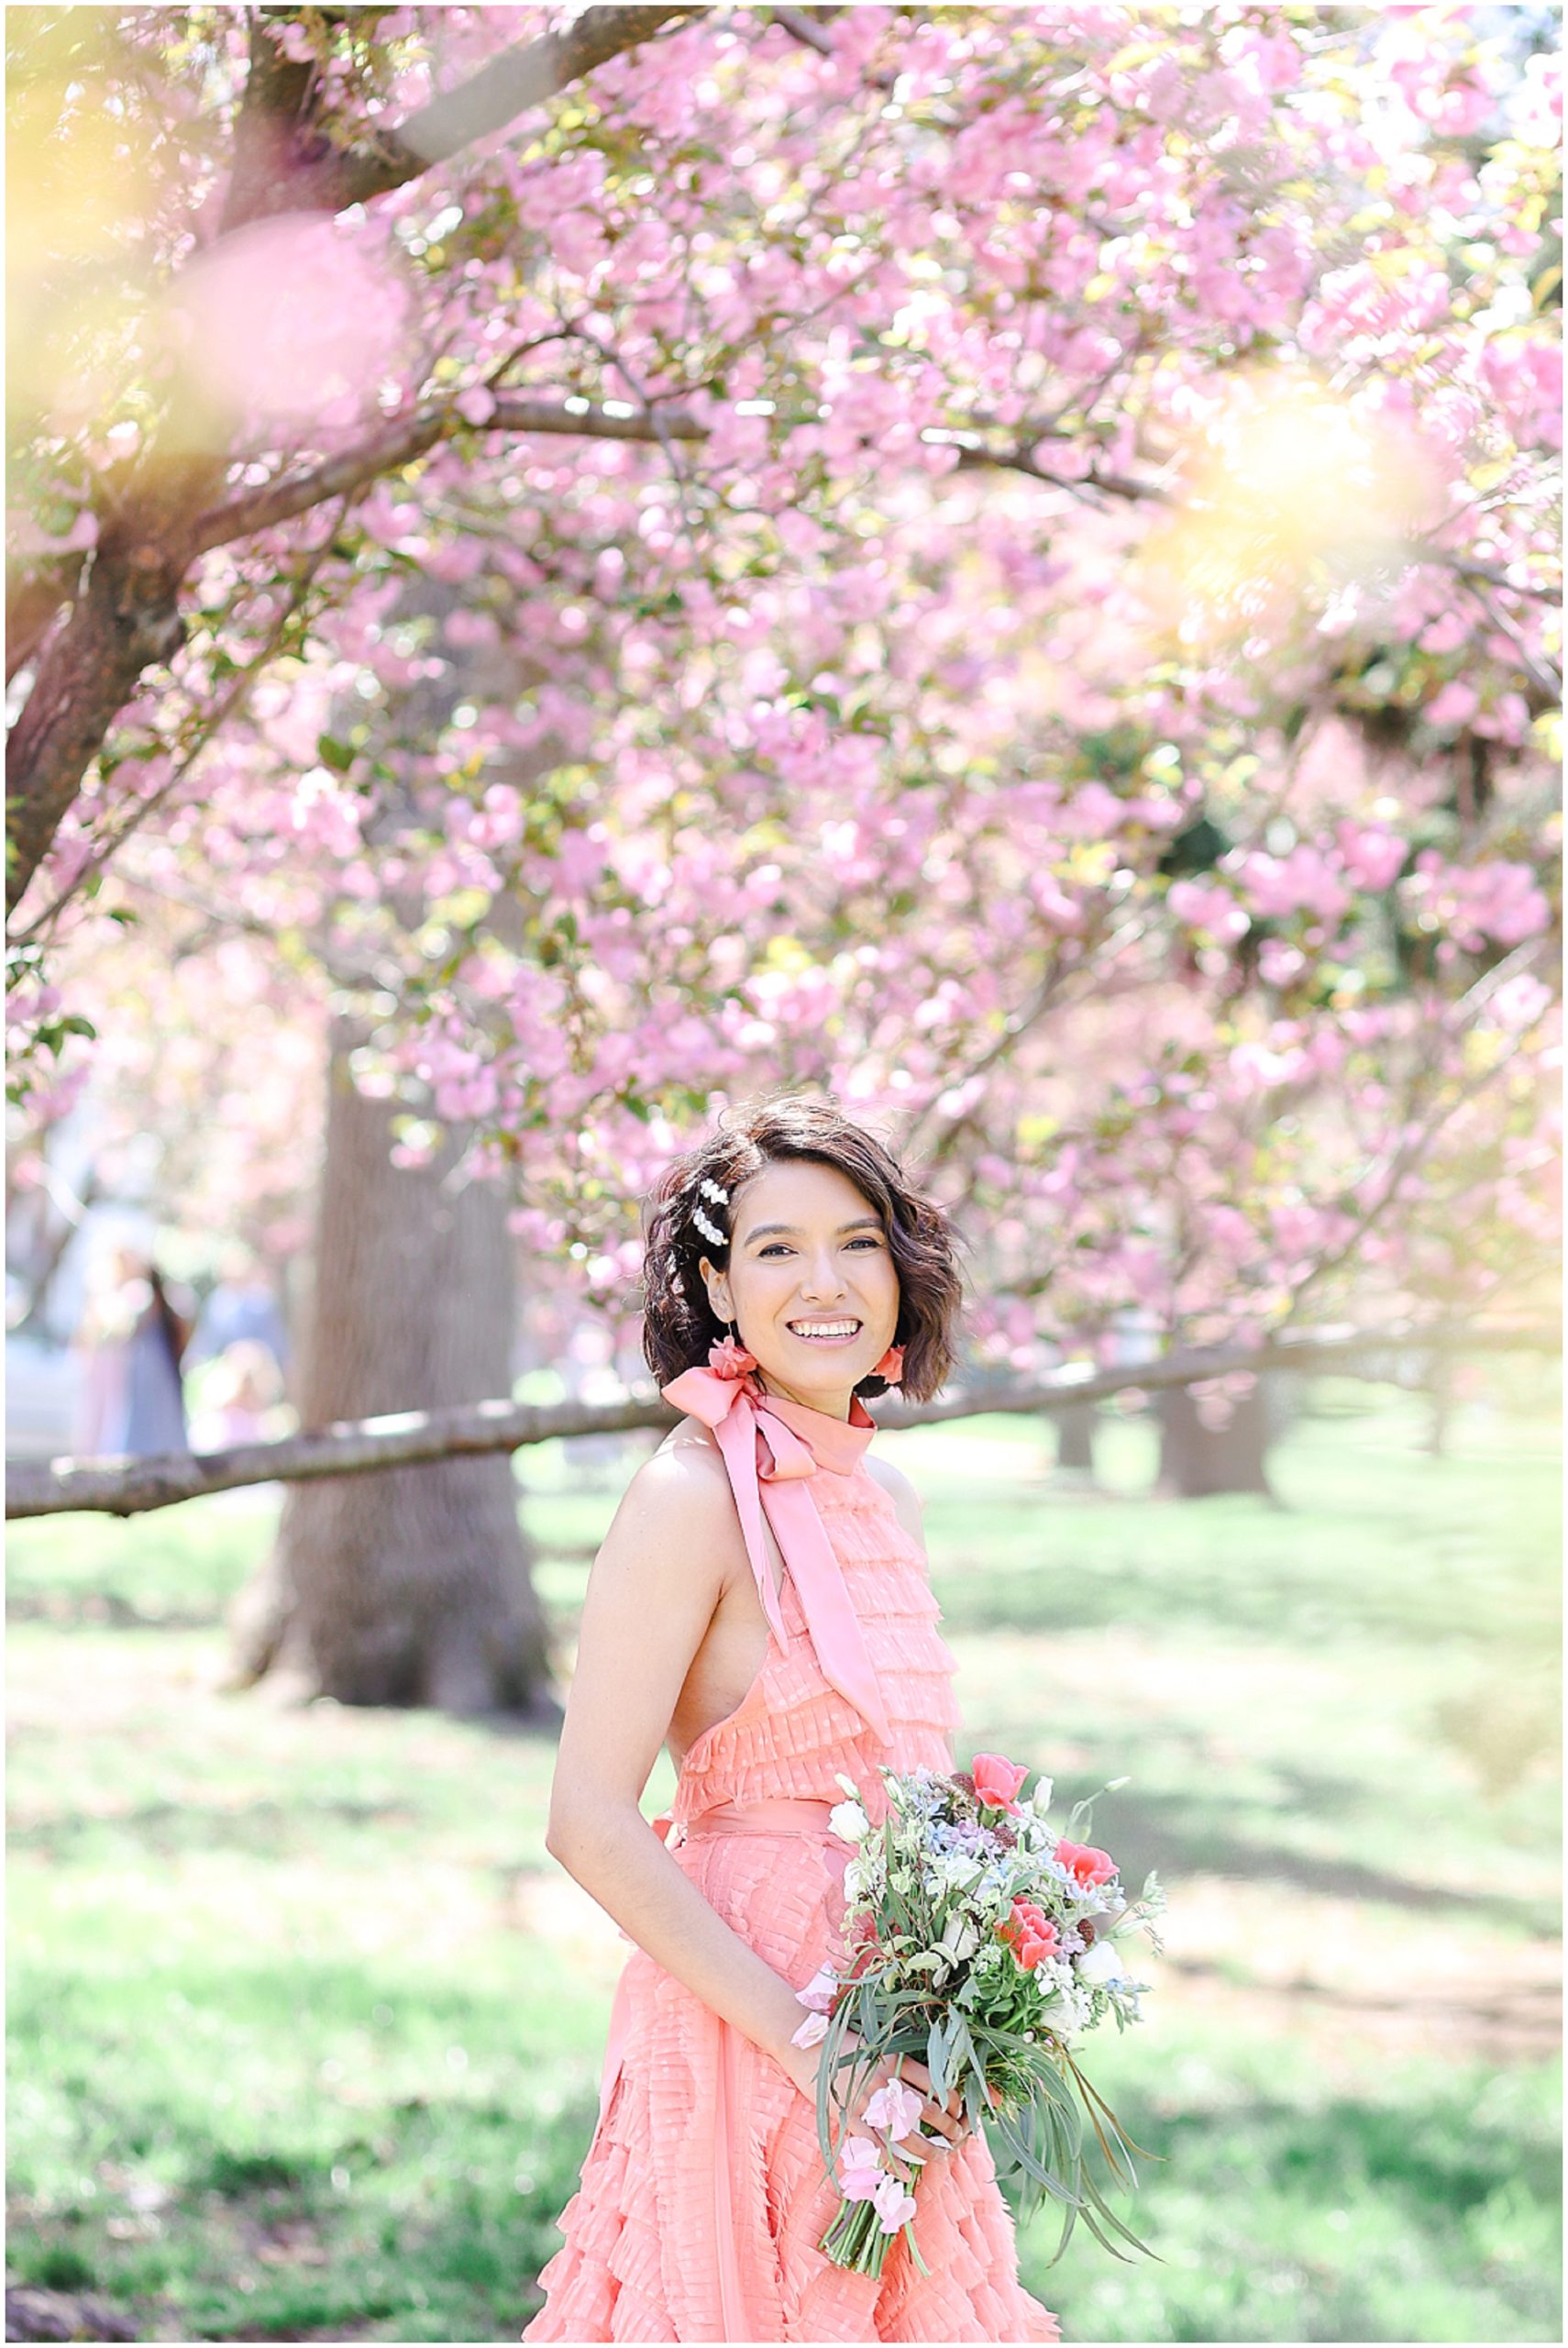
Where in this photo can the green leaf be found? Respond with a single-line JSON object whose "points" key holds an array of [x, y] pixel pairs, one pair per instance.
{"points": [[936, 2046], [333, 753]]}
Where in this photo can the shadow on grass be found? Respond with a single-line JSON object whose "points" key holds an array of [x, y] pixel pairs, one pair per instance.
{"points": [[370, 2212], [266, 1829], [1167, 1832], [1290, 1604]]}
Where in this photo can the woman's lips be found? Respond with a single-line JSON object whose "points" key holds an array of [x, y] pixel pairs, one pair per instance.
{"points": [[827, 1345]]}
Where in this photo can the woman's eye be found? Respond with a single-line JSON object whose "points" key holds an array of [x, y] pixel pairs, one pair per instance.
{"points": [[777, 1247]]}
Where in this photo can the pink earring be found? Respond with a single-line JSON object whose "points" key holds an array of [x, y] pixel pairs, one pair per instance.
{"points": [[891, 1366], [727, 1359]]}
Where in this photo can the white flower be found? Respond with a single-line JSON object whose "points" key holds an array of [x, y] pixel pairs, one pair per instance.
{"points": [[849, 1823], [850, 1788], [1101, 1963], [812, 2031], [959, 1938]]}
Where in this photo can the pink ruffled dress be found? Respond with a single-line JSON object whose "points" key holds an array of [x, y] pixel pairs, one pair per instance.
{"points": [[703, 2197]]}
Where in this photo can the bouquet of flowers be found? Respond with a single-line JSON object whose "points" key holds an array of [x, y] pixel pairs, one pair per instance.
{"points": [[985, 1945]]}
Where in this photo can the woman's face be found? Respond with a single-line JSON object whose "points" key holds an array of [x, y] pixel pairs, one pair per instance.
{"points": [[807, 1250]]}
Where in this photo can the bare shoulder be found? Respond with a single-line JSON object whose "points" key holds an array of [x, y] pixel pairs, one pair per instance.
{"points": [[676, 1529], [686, 1472], [903, 1493]]}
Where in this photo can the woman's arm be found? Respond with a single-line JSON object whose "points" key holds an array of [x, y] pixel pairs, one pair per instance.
{"points": [[651, 1595]]}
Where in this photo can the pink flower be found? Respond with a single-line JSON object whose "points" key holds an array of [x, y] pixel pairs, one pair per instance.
{"points": [[860, 2169], [1453, 704], [730, 1360], [813, 2031], [895, 2108], [1085, 1864], [894, 2203], [820, 1990], [1031, 1933], [891, 1366], [997, 1781]]}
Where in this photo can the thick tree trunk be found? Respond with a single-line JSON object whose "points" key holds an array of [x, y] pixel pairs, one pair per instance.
{"points": [[410, 1586], [1197, 1461]]}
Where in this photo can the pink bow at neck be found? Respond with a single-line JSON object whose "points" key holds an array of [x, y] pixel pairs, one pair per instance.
{"points": [[769, 1462]]}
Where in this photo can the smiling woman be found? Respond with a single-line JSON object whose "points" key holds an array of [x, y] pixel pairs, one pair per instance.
{"points": [[762, 1604], [817, 1226]]}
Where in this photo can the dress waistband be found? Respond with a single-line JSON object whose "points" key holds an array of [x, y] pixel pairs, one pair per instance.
{"points": [[772, 1814]]}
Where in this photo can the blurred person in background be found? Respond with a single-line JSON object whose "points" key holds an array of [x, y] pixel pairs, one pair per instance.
{"points": [[133, 1336]]}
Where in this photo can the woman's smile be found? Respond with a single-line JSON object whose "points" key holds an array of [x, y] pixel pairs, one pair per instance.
{"points": [[828, 1334]]}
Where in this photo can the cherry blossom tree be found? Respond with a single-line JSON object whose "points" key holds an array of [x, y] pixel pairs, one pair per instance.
{"points": [[999, 562]]}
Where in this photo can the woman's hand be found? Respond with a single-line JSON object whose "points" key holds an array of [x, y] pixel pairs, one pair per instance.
{"points": [[945, 2122]]}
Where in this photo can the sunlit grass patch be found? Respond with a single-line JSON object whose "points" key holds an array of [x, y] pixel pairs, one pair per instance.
{"points": [[306, 2026]]}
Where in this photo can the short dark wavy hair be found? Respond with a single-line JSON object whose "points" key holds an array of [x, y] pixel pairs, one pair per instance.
{"points": [[679, 1321]]}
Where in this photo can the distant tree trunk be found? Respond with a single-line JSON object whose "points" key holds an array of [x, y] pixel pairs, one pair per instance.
{"points": [[411, 1586], [1075, 1440], [1197, 1461], [1444, 1392]]}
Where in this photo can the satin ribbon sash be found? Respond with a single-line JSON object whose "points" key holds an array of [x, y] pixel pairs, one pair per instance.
{"points": [[768, 1465]]}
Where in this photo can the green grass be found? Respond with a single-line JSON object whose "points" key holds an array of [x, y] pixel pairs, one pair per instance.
{"points": [[305, 2027]]}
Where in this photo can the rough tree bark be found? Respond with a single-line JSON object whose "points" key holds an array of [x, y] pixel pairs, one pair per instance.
{"points": [[413, 1587]]}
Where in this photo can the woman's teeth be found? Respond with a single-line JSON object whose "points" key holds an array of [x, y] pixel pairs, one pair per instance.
{"points": [[825, 1331]]}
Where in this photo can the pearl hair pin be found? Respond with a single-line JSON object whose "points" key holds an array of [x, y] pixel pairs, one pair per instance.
{"points": [[722, 1198]]}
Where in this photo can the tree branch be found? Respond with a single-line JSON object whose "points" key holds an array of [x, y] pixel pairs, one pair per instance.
{"points": [[323, 179], [797, 23], [1020, 459], [400, 444], [412, 1437], [227, 704], [1547, 681]]}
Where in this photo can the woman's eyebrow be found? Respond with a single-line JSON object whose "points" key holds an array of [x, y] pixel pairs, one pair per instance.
{"points": [[792, 1230]]}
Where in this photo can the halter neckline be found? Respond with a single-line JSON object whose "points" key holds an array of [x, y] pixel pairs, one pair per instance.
{"points": [[834, 1444], [771, 1449]]}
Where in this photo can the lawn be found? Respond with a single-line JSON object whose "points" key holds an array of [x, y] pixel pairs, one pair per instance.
{"points": [[305, 2027]]}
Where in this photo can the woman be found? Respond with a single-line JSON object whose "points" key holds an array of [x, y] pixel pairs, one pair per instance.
{"points": [[155, 1390], [132, 1343], [761, 1604]]}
